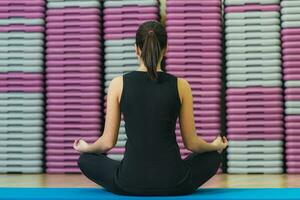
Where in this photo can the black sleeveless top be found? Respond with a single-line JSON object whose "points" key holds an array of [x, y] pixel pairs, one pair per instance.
{"points": [[152, 159]]}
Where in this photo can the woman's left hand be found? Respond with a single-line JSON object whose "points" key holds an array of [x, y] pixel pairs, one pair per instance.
{"points": [[81, 146]]}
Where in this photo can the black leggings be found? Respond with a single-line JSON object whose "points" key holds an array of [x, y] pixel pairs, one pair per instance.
{"points": [[100, 169]]}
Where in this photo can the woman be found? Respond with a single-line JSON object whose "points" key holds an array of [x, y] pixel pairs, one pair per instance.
{"points": [[150, 101]]}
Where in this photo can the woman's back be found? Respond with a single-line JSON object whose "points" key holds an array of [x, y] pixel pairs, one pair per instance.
{"points": [[150, 110]]}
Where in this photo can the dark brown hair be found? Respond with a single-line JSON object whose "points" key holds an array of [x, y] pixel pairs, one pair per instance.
{"points": [[151, 38]]}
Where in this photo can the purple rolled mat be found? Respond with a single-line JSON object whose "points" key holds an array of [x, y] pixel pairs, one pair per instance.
{"points": [[73, 94], [293, 132], [235, 124], [62, 157], [138, 10], [90, 30], [193, 29], [183, 48], [206, 93], [255, 136], [201, 87], [92, 114], [290, 38], [72, 107], [12, 83], [203, 80], [72, 37], [124, 23], [72, 83], [195, 15], [276, 110], [208, 113], [291, 70], [293, 137], [292, 145], [198, 54], [59, 136], [208, 42], [293, 157], [65, 50], [73, 43], [292, 125], [259, 117], [289, 77], [73, 57], [293, 170], [22, 89], [197, 8], [72, 11], [196, 74], [258, 104], [255, 130], [192, 3], [292, 151], [214, 126], [265, 97], [82, 120], [253, 91], [207, 99], [292, 97], [194, 67], [73, 126], [291, 51], [203, 119], [200, 35], [292, 118], [20, 76], [21, 9], [248, 8], [292, 44], [63, 170], [74, 63], [22, 3], [73, 17], [121, 17], [73, 24], [193, 22], [27, 15], [23, 28], [58, 75]]}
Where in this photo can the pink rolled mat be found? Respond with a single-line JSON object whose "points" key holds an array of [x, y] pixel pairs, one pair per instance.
{"points": [[290, 38], [206, 106], [183, 48], [73, 82], [292, 151], [73, 63], [119, 36], [290, 97], [73, 107], [61, 152], [202, 93], [292, 132], [22, 3], [209, 113], [198, 9], [23, 15], [235, 124], [22, 8], [196, 86], [65, 50], [206, 126], [293, 170], [290, 31], [207, 99], [124, 23], [292, 44], [72, 11], [267, 97], [291, 51], [73, 88], [255, 137], [73, 43], [74, 17], [64, 145], [82, 120], [22, 28], [73, 37], [72, 24], [74, 57], [293, 137], [292, 118], [256, 130], [22, 89], [20, 76], [194, 16], [117, 151], [254, 91], [238, 117], [193, 54], [257, 104], [193, 3], [73, 126], [62, 138], [205, 119], [203, 80], [288, 77], [193, 22], [139, 10], [91, 30], [120, 17], [62, 164], [77, 95], [74, 75], [119, 30], [293, 157], [63, 170], [293, 145], [11, 83], [291, 70], [63, 101], [194, 67], [73, 114], [245, 111], [247, 8], [193, 29], [215, 42], [62, 158], [196, 74]]}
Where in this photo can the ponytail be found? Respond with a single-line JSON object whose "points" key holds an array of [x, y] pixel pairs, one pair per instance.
{"points": [[151, 38]]}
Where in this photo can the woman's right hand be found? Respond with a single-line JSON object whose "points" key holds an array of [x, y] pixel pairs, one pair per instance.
{"points": [[220, 143]]}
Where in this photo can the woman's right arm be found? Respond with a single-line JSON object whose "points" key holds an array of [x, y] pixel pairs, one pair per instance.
{"points": [[187, 124]]}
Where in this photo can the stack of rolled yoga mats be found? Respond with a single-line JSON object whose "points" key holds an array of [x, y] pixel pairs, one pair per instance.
{"points": [[194, 53], [121, 21], [21, 86], [254, 86], [290, 17], [73, 80]]}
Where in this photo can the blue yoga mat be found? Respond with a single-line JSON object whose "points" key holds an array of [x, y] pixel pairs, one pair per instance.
{"points": [[99, 194]]}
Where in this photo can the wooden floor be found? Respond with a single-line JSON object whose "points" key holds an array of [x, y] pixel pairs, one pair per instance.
{"points": [[220, 181]]}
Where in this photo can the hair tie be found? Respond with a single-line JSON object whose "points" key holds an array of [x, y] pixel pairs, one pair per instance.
{"points": [[150, 31]]}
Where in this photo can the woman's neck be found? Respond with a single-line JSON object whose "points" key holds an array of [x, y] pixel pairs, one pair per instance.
{"points": [[143, 68]]}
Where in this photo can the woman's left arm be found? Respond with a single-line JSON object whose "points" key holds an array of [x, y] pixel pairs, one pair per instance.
{"points": [[112, 122]]}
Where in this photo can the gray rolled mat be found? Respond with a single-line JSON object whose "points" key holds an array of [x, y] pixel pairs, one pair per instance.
{"points": [[122, 130], [21, 96], [252, 15], [21, 102], [17, 156], [21, 129], [242, 2], [23, 163], [118, 56], [21, 42], [118, 63], [118, 43], [290, 17], [21, 122], [254, 157], [11, 21], [252, 22], [244, 36], [117, 157], [22, 69], [285, 3], [23, 116], [119, 49], [254, 170], [19, 49], [292, 83], [119, 3], [24, 109], [250, 42], [291, 24], [260, 49], [248, 56], [244, 70], [119, 69], [243, 29], [254, 63], [21, 143], [290, 10], [255, 143], [121, 143], [292, 104], [292, 111], [11, 169], [122, 136], [264, 163], [251, 150], [275, 83], [21, 149], [21, 136], [21, 35], [22, 62], [13, 55], [254, 76], [82, 4]]}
